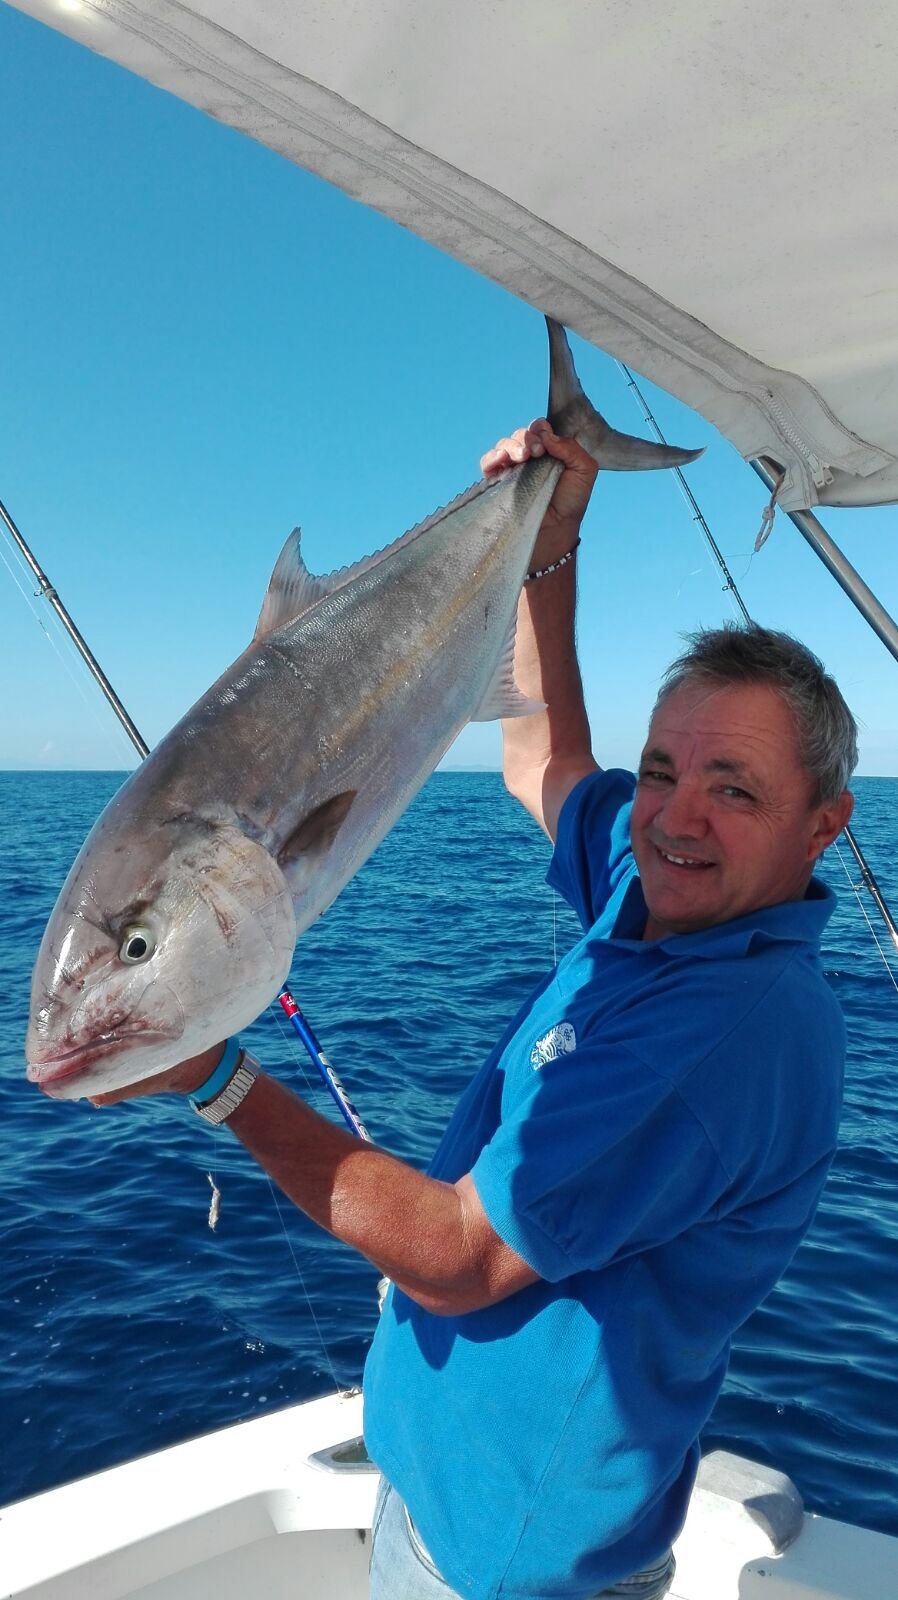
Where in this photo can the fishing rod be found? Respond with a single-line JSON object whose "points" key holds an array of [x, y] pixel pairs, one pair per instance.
{"points": [[47, 591], [304, 1029], [850, 580]]}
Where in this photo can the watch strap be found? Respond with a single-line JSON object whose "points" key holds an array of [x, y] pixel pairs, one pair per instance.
{"points": [[230, 1057], [224, 1102]]}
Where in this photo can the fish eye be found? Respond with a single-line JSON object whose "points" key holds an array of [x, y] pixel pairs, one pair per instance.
{"points": [[137, 945]]}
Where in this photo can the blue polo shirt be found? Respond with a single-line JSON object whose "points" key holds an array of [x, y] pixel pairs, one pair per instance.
{"points": [[651, 1134]]}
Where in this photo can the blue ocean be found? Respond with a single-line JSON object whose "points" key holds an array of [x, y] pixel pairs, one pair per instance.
{"points": [[129, 1324]]}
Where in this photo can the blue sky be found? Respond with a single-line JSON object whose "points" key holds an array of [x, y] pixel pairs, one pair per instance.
{"points": [[204, 346]]}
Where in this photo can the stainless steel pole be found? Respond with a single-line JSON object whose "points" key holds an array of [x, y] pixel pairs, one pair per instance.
{"points": [[46, 588], [848, 578]]}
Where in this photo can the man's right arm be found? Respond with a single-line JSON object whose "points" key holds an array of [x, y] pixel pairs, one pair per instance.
{"points": [[545, 755]]}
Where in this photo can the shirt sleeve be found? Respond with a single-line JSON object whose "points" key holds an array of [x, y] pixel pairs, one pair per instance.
{"points": [[592, 847], [600, 1160]]}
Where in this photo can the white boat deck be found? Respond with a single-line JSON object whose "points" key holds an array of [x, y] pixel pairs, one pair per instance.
{"points": [[274, 1509]]}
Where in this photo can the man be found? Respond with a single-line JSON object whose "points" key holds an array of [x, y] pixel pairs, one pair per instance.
{"points": [[635, 1164]]}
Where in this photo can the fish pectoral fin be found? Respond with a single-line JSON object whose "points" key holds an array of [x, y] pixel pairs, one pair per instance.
{"points": [[503, 698], [293, 589], [317, 831]]}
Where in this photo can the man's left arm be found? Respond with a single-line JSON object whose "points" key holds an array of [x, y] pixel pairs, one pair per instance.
{"points": [[432, 1239]]}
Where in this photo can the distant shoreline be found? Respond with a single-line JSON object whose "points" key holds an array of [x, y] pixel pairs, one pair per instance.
{"points": [[440, 772]]}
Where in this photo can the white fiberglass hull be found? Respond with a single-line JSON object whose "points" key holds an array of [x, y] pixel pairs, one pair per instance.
{"points": [[281, 1508]]}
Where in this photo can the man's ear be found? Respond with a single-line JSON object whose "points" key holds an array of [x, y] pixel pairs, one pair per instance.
{"points": [[831, 819]]}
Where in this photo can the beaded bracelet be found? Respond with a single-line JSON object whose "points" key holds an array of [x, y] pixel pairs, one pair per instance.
{"points": [[543, 572]]}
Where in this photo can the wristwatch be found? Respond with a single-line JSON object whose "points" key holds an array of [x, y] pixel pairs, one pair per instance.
{"points": [[224, 1101]]}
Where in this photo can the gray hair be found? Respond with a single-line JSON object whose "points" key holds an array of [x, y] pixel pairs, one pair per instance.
{"points": [[737, 654]]}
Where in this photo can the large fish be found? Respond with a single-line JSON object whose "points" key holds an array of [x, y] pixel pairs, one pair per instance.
{"points": [[177, 923]]}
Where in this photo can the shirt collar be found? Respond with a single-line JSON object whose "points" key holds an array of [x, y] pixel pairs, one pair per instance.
{"points": [[795, 922]]}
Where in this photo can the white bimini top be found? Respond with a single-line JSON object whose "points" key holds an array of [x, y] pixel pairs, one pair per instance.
{"points": [[708, 191]]}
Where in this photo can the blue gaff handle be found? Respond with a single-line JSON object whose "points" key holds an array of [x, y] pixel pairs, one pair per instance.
{"points": [[335, 1088]]}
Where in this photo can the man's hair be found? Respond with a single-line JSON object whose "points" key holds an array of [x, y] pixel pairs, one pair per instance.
{"points": [[737, 654]]}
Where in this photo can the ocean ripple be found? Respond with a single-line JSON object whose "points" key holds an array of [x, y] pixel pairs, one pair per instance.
{"points": [[130, 1325]]}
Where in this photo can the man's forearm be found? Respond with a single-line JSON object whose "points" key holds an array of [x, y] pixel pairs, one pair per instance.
{"points": [[411, 1227], [544, 755]]}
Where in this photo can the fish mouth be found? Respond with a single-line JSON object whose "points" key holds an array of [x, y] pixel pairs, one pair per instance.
{"points": [[71, 1063]]}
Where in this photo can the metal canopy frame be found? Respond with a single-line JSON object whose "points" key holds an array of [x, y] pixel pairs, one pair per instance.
{"points": [[836, 562]]}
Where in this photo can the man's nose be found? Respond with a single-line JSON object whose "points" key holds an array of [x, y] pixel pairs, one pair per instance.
{"points": [[684, 813]]}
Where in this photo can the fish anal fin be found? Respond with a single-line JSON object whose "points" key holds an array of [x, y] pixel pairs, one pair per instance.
{"points": [[293, 589], [314, 835], [503, 698]]}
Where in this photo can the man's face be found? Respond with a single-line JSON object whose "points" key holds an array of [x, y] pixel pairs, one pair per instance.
{"points": [[722, 820]]}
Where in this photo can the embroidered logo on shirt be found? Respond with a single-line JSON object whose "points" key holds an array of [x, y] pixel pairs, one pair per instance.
{"points": [[559, 1041]]}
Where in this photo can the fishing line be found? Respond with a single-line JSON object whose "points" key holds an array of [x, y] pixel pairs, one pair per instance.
{"points": [[64, 658], [713, 548], [302, 1283], [29, 601], [856, 892], [303, 1028], [311, 1085], [215, 1209]]}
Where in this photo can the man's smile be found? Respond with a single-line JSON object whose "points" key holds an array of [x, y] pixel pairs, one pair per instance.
{"points": [[680, 861]]}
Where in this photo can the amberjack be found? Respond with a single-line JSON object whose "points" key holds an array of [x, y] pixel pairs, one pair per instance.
{"points": [[177, 922]]}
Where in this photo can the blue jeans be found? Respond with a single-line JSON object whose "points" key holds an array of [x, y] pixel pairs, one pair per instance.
{"points": [[401, 1568]]}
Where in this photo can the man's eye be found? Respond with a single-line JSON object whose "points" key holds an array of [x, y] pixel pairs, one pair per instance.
{"points": [[652, 775], [737, 793]]}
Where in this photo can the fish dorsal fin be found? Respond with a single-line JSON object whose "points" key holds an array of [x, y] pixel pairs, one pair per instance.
{"points": [[503, 698], [293, 589]]}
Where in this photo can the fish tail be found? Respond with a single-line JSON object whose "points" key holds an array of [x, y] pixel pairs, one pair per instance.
{"points": [[573, 416]]}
